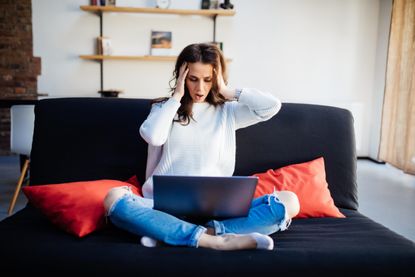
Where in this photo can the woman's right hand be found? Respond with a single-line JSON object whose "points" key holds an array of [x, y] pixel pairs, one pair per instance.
{"points": [[181, 82]]}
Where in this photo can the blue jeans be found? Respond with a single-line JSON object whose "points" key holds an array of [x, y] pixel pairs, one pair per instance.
{"points": [[136, 215]]}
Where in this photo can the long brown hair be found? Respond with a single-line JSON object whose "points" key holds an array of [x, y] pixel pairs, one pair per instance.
{"points": [[199, 52]]}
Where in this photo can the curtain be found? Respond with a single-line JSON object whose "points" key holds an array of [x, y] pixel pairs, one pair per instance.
{"points": [[397, 145]]}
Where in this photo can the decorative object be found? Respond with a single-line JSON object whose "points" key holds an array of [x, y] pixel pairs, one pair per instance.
{"points": [[76, 207], [226, 5], [161, 43], [308, 181], [205, 4], [109, 93], [104, 46], [163, 4], [214, 4]]}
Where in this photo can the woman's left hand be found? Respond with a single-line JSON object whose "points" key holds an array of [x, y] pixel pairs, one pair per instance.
{"points": [[223, 88]]}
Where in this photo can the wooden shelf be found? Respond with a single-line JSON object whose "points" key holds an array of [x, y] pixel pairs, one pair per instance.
{"points": [[141, 58], [212, 12]]}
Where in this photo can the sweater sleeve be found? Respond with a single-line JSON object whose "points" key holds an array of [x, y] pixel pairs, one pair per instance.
{"points": [[254, 106], [155, 129]]}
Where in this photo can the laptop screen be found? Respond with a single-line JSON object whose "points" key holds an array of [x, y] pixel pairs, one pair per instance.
{"points": [[204, 196]]}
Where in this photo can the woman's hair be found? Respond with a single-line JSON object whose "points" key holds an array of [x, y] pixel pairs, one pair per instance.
{"points": [[207, 54]]}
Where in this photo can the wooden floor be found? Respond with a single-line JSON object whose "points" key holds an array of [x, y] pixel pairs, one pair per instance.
{"points": [[385, 194]]}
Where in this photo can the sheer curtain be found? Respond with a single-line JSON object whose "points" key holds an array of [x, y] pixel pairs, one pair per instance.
{"points": [[397, 145]]}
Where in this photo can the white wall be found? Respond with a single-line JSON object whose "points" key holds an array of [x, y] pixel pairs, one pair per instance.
{"points": [[329, 52]]}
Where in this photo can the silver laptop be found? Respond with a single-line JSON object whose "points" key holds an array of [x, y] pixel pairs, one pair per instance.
{"points": [[204, 197]]}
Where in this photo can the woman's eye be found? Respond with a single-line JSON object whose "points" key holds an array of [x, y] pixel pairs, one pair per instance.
{"points": [[208, 80]]}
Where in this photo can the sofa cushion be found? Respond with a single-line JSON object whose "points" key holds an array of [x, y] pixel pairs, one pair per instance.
{"points": [[76, 207], [303, 132], [308, 181], [352, 246]]}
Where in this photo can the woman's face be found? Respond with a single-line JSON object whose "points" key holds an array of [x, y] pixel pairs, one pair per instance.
{"points": [[199, 81]]}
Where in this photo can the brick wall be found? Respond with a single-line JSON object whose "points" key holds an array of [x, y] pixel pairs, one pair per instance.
{"points": [[18, 68]]}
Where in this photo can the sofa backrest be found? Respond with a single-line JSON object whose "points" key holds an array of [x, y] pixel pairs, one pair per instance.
{"points": [[79, 139]]}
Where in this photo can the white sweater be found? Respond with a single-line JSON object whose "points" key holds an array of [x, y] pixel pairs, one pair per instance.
{"points": [[206, 146]]}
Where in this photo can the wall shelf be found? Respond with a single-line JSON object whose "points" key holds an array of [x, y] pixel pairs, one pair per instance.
{"points": [[212, 12], [100, 10], [140, 58]]}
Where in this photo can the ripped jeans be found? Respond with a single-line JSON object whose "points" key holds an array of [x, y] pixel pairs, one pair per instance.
{"points": [[136, 215]]}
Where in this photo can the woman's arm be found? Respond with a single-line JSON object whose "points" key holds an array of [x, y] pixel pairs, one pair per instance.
{"points": [[155, 129], [254, 106]]}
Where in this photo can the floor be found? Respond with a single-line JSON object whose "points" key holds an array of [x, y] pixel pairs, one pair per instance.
{"points": [[385, 194]]}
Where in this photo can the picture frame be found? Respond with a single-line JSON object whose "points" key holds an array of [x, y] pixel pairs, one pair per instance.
{"points": [[214, 4], [110, 3], [161, 43]]}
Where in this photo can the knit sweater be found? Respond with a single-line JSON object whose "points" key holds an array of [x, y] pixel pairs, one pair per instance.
{"points": [[207, 145]]}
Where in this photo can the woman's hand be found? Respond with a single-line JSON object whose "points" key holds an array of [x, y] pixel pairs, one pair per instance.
{"points": [[181, 81], [223, 88]]}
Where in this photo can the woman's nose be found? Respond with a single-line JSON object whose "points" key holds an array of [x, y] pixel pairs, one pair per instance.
{"points": [[200, 86]]}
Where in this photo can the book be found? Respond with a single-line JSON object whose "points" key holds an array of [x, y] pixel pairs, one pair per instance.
{"points": [[104, 46], [161, 43]]}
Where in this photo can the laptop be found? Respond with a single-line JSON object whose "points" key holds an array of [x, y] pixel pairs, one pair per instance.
{"points": [[198, 198]]}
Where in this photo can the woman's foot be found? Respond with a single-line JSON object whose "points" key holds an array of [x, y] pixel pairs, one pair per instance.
{"points": [[237, 242], [263, 241], [148, 242]]}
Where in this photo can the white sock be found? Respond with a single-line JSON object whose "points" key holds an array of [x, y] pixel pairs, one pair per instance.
{"points": [[262, 241], [148, 242]]}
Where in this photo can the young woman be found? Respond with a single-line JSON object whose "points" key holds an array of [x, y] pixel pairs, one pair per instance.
{"points": [[193, 133]]}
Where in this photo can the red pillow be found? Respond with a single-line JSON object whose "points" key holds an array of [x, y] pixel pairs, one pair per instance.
{"points": [[133, 180], [76, 207], [308, 181]]}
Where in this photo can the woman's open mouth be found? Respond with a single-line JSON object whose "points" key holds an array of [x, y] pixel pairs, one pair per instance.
{"points": [[199, 96]]}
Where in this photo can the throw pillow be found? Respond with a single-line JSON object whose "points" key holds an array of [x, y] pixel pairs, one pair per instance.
{"points": [[308, 181], [76, 207], [133, 180]]}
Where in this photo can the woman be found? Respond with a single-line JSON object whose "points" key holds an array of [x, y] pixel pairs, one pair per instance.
{"points": [[193, 133]]}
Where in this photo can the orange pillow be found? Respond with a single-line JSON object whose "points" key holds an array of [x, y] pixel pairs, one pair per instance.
{"points": [[308, 181], [76, 207]]}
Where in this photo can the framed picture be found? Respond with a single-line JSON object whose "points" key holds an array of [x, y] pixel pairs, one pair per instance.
{"points": [[214, 4], [104, 46], [161, 43]]}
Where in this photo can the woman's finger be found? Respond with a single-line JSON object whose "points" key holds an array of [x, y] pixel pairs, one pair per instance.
{"points": [[182, 69]]}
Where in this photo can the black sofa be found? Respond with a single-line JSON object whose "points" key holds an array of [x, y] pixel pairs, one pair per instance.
{"points": [[77, 139]]}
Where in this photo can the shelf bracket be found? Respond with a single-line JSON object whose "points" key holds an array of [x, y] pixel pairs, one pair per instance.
{"points": [[101, 63], [214, 27]]}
